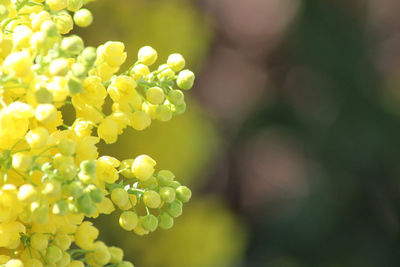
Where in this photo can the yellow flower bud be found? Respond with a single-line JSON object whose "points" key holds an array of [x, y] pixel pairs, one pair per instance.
{"points": [[37, 138], [155, 95], [18, 64], [21, 161], [46, 113], [56, 4], [83, 17], [147, 55], [143, 167], [140, 120], [176, 62]]}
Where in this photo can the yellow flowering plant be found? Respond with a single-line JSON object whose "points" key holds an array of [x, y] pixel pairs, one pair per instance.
{"points": [[51, 176]]}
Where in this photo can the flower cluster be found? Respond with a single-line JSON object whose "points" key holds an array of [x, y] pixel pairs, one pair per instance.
{"points": [[51, 176]]}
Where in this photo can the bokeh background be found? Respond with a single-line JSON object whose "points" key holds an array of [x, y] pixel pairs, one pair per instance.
{"points": [[291, 139]]}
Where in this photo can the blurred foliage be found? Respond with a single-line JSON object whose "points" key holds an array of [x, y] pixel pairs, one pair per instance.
{"points": [[168, 25], [351, 215], [207, 235]]}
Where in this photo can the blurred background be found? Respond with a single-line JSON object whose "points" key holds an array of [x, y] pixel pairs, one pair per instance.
{"points": [[290, 141]]}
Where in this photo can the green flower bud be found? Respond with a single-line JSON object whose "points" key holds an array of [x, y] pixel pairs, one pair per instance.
{"points": [[149, 222], [40, 212], [74, 5], [59, 67], [53, 254], [72, 45], [128, 220], [60, 208], [183, 193], [163, 113], [167, 194], [62, 240], [88, 56], [175, 184], [176, 97], [85, 204], [83, 17], [95, 193], [176, 62], [185, 79], [66, 147], [165, 177], [79, 70], [166, 74], [50, 28], [179, 109], [88, 167], [74, 85], [117, 254], [75, 189], [165, 221], [175, 208], [151, 199], [43, 96]]}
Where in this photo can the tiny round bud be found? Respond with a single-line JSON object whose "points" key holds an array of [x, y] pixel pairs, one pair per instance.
{"points": [[128, 220], [75, 189], [175, 208], [185, 79], [163, 113], [149, 222], [151, 199], [66, 147], [147, 55], [143, 167], [176, 62], [167, 194], [117, 254], [53, 254], [88, 56], [83, 17], [95, 193], [140, 120], [27, 193], [165, 221], [46, 113], [183, 193], [74, 85], [155, 95], [43, 96], [176, 97], [59, 67], [120, 197], [72, 45], [21, 161], [165, 177], [74, 5], [79, 70]]}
